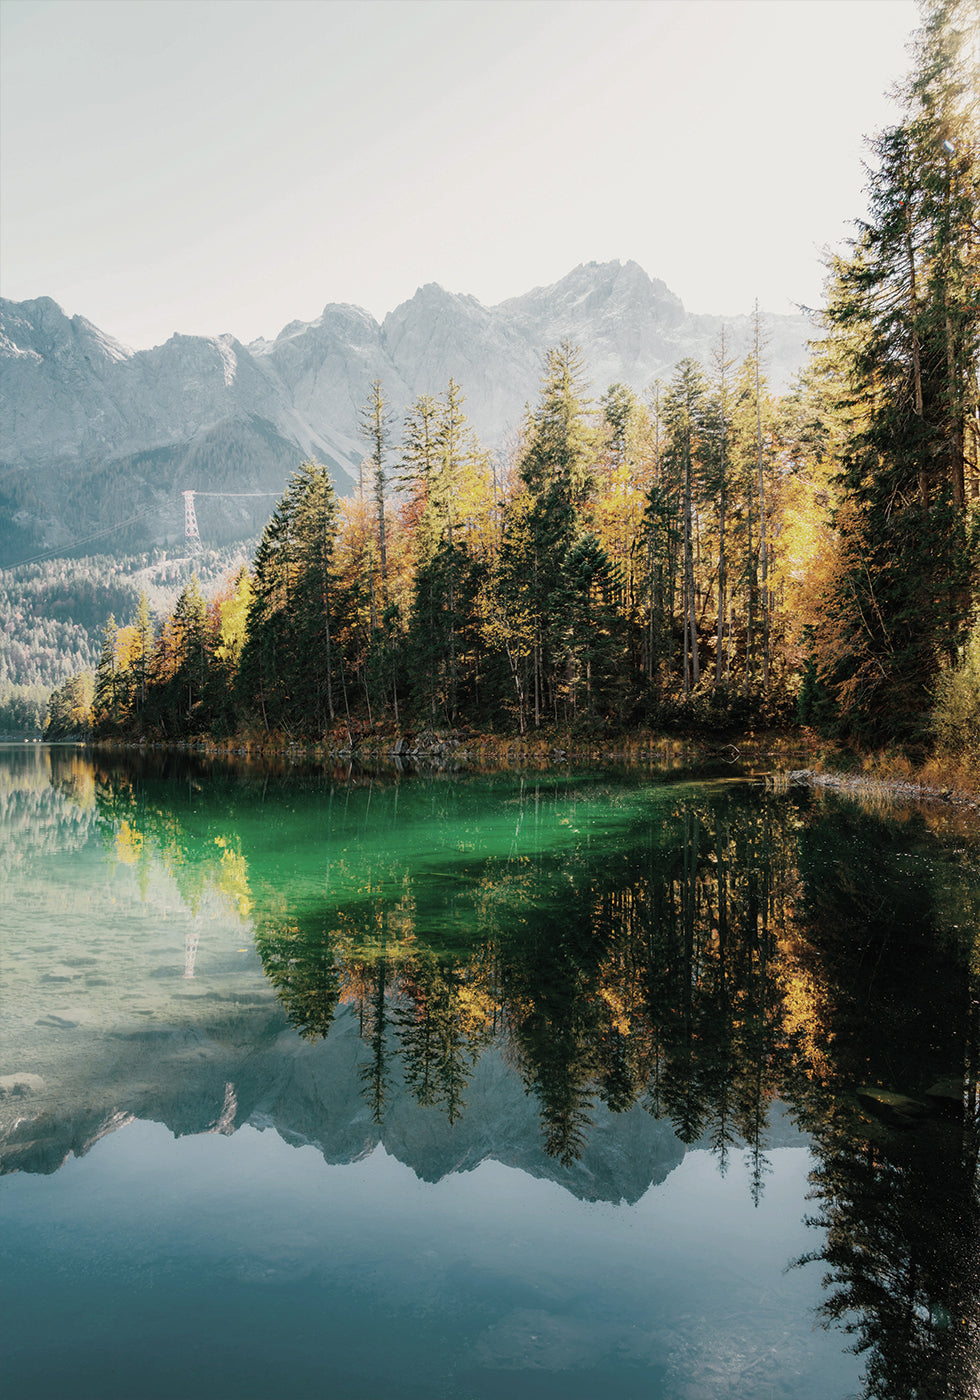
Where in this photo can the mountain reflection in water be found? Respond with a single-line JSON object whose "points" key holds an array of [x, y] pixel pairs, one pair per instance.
{"points": [[581, 976]]}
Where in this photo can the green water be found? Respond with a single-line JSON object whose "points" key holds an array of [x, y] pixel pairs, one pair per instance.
{"points": [[404, 1084]]}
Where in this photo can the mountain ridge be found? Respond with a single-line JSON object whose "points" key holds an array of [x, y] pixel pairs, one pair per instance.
{"points": [[94, 433]]}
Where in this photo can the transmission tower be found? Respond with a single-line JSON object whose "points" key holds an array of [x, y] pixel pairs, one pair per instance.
{"points": [[191, 532]]}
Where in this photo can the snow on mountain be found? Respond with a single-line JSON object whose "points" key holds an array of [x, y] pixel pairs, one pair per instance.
{"points": [[93, 433]]}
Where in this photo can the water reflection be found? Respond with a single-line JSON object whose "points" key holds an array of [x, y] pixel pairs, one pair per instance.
{"points": [[887, 947], [693, 954]]}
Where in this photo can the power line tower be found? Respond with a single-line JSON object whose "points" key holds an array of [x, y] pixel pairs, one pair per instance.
{"points": [[191, 532]]}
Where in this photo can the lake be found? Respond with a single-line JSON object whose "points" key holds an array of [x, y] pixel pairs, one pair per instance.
{"points": [[656, 1082]]}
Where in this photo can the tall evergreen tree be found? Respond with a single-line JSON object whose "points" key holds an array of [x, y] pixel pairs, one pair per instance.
{"points": [[904, 318], [376, 419], [290, 661], [440, 456], [685, 409], [556, 468], [719, 489], [106, 700], [195, 650]]}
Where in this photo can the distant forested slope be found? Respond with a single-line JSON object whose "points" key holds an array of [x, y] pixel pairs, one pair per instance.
{"points": [[53, 612]]}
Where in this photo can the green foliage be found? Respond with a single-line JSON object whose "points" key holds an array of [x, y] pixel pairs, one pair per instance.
{"points": [[559, 448], [904, 316], [440, 460], [69, 711], [22, 709], [956, 714], [108, 688], [375, 425], [52, 613], [289, 665]]}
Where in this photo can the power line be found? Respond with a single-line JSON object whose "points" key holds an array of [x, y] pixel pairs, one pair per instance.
{"points": [[191, 532], [85, 539], [62, 549]]}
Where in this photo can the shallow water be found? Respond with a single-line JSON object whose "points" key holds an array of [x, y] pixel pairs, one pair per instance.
{"points": [[487, 1086]]}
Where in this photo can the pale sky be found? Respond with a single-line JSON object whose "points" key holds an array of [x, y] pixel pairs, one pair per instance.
{"points": [[205, 166]]}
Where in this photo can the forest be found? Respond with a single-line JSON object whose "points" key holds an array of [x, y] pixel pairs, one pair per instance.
{"points": [[53, 612], [706, 556]]}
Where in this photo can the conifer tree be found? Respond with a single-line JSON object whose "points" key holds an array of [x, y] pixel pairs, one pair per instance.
{"points": [[436, 450], [660, 539], [191, 626], [625, 475], [556, 469], [685, 409], [376, 419], [315, 523], [144, 648], [107, 690], [904, 321], [289, 660], [719, 490]]}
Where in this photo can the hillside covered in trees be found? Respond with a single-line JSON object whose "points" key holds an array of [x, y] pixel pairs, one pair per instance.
{"points": [[53, 613], [709, 554]]}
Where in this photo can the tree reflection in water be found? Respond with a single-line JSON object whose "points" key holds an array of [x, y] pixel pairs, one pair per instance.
{"points": [[723, 948], [891, 962]]}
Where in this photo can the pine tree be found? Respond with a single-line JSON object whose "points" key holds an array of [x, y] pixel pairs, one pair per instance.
{"points": [[376, 419], [444, 467], [556, 471], [626, 473], [661, 535], [904, 320], [315, 525], [142, 651], [719, 488], [685, 409], [290, 660], [193, 657], [106, 698]]}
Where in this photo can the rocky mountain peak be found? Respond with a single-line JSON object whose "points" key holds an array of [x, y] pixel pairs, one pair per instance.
{"points": [[81, 408], [40, 328]]}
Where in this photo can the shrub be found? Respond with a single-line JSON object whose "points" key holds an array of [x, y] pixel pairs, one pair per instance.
{"points": [[956, 712]]}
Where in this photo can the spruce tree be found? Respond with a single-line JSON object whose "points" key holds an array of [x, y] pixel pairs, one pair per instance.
{"points": [[556, 470], [685, 409], [106, 698], [904, 320], [290, 662], [376, 420]]}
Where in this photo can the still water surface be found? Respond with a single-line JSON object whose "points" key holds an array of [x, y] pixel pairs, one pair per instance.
{"points": [[411, 1085]]}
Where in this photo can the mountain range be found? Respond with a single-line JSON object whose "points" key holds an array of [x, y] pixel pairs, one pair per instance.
{"points": [[98, 441]]}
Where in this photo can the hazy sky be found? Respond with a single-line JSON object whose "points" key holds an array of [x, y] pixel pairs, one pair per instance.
{"points": [[232, 165]]}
